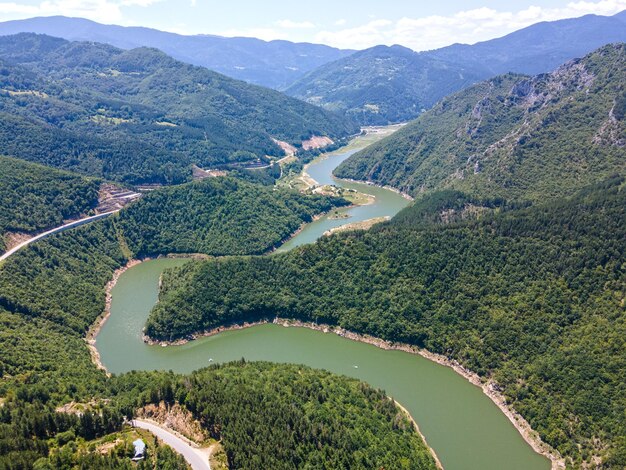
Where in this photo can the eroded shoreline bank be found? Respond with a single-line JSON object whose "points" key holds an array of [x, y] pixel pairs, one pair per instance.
{"points": [[95, 328], [90, 338], [488, 387], [313, 182], [406, 196], [417, 429]]}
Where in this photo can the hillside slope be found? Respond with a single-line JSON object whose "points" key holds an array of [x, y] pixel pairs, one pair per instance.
{"points": [[393, 84], [531, 298], [139, 115], [52, 291], [512, 136], [539, 48], [219, 217], [382, 84], [34, 197], [274, 64]]}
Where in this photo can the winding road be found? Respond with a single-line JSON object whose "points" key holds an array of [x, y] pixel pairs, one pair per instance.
{"points": [[67, 226], [196, 457]]}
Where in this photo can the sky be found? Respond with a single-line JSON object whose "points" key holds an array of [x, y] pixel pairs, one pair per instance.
{"points": [[348, 24]]}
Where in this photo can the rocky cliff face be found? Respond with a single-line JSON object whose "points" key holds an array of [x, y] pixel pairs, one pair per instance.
{"points": [[512, 136]]}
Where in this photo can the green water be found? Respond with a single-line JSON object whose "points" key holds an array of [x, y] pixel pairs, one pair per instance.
{"points": [[466, 430], [386, 203]]}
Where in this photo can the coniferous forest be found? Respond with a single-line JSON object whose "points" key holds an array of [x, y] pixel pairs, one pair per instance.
{"points": [[34, 197], [532, 297], [51, 292], [124, 117], [494, 138], [511, 259]]}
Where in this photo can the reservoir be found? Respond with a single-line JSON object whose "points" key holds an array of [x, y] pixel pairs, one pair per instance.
{"points": [[386, 203], [464, 427]]}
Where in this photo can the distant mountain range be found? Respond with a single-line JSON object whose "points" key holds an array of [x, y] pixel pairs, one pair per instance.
{"points": [[383, 84], [392, 84], [139, 115], [513, 136], [274, 64], [375, 86]]}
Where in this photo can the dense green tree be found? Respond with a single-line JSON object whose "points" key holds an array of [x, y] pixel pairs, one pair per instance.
{"points": [[139, 115], [383, 85], [512, 137], [283, 416], [52, 291], [34, 197], [218, 216], [530, 297]]}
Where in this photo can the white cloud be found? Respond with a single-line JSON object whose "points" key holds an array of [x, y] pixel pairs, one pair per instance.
{"points": [[360, 37], [15, 8], [105, 11], [340, 22], [289, 24], [468, 26]]}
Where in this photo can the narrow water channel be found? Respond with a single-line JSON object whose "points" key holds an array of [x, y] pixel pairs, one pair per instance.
{"points": [[460, 423], [386, 203]]}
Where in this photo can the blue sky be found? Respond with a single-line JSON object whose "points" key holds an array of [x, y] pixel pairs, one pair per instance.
{"points": [[341, 23]]}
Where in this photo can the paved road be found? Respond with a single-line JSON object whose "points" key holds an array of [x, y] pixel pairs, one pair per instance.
{"points": [[194, 456], [76, 223]]}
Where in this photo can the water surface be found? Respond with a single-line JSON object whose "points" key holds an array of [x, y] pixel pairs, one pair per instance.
{"points": [[463, 426], [386, 202]]}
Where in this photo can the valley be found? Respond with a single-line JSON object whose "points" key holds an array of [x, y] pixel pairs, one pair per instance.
{"points": [[373, 202], [461, 419], [235, 253]]}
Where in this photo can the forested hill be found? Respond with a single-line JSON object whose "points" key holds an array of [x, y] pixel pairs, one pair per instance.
{"points": [[383, 84], [273, 64], [533, 298], [139, 115], [513, 136], [52, 291], [393, 84], [218, 216], [288, 417], [34, 197], [215, 216]]}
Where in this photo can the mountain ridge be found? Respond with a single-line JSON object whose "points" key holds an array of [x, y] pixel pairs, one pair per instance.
{"points": [[359, 87], [512, 136], [274, 64], [139, 115]]}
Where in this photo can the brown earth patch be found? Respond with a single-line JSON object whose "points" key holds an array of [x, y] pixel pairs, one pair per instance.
{"points": [[12, 239], [112, 197], [176, 418], [316, 142], [286, 146]]}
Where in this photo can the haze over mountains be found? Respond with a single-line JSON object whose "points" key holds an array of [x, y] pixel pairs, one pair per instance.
{"points": [[274, 64], [392, 84], [379, 85], [512, 137], [139, 115]]}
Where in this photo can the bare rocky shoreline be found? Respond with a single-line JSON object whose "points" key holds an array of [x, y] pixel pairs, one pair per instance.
{"points": [[489, 387], [90, 338]]}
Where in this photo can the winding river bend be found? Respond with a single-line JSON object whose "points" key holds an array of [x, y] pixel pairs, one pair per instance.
{"points": [[462, 425], [386, 202]]}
